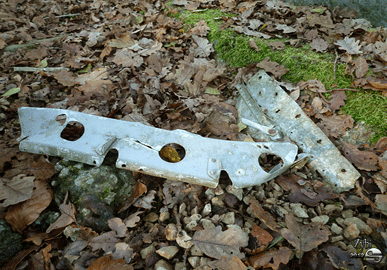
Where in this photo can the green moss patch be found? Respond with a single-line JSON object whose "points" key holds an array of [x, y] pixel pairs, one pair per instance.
{"points": [[303, 64]]}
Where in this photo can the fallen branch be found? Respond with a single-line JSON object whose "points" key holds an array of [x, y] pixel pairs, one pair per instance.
{"points": [[334, 66], [34, 69], [31, 44]]}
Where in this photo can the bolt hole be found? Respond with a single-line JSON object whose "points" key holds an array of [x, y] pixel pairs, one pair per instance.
{"points": [[266, 147], [73, 131], [277, 111], [259, 146], [319, 141], [61, 119], [172, 152], [123, 165], [298, 115], [94, 162], [343, 170], [276, 94]]}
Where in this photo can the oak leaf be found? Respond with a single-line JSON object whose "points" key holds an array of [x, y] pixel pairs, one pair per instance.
{"points": [[319, 44], [304, 237], [227, 263], [263, 216], [273, 67], [21, 215], [272, 258], [363, 160], [203, 48], [16, 190], [67, 215], [216, 244], [350, 45], [107, 262], [337, 100]]}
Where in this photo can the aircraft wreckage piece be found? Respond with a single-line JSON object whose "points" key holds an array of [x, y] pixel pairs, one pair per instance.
{"points": [[139, 148], [263, 102]]}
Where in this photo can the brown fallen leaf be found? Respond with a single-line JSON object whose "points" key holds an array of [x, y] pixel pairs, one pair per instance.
{"points": [[341, 258], [363, 160], [319, 45], [272, 258], [253, 45], [277, 45], [107, 262], [146, 201], [216, 244], [67, 215], [337, 100], [42, 169], [381, 145], [227, 263], [133, 219], [273, 67], [41, 259], [376, 84], [262, 215], [361, 67], [350, 45], [313, 85], [137, 191], [203, 47], [308, 193], [21, 215], [64, 77], [106, 241], [259, 241], [16, 190], [336, 125], [118, 226], [304, 237]]}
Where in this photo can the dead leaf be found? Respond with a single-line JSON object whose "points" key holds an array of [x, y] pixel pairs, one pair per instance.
{"points": [[203, 48], [262, 236], [335, 125], [36, 54], [272, 258], [127, 58], [200, 28], [227, 263], [107, 262], [41, 259], [304, 237], [146, 201], [363, 160], [361, 67], [42, 169], [137, 191], [64, 77], [21, 215], [133, 219], [263, 216], [376, 84], [313, 85], [319, 45], [381, 203], [337, 100], [106, 241], [253, 45], [216, 244], [173, 192], [273, 67], [341, 258], [350, 45], [67, 215], [308, 193], [381, 145], [118, 226], [278, 45], [16, 190]]}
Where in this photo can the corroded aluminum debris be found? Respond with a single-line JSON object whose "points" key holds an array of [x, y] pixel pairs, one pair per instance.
{"points": [[139, 148], [263, 101]]}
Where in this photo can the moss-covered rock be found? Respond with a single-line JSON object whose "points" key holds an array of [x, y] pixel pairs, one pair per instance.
{"points": [[96, 192], [10, 242]]}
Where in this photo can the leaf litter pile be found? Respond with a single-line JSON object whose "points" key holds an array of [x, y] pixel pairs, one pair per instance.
{"points": [[139, 61]]}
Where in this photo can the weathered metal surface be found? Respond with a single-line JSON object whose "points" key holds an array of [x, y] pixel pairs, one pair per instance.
{"points": [[139, 145], [263, 101]]}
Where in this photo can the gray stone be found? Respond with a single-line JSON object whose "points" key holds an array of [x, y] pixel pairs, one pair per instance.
{"points": [[347, 213], [337, 238], [228, 218], [148, 250], [336, 229], [194, 261], [184, 240], [206, 210], [151, 217], [180, 266], [298, 210], [164, 216], [182, 208], [163, 265], [237, 192], [360, 224], [322, 219], [340, 221], [204, 261], [168, 252], [207, 224], [171, 232], [10, 242], [331, 207], [351, 232], [216, 201]]}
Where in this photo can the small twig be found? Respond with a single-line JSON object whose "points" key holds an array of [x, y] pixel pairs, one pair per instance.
{"points": [[63, 16], [340, 89], [31, 44], [34, 69]]}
